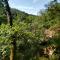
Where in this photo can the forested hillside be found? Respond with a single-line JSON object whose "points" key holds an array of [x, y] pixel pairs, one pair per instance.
{"points": [[30, 37]]}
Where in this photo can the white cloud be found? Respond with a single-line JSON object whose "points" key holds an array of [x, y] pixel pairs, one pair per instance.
{"points": [[34, 1]]}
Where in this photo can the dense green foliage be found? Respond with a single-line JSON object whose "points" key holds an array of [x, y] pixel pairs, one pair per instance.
{"points": [[28, 31]]}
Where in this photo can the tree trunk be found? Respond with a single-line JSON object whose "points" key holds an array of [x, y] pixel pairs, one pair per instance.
{"points": [[3, 58], [8, 12], [11, 53], [9, 21], [13, 49]]}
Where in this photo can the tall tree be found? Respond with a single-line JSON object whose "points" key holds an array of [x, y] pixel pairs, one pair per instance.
{"points": [[9, 21]]}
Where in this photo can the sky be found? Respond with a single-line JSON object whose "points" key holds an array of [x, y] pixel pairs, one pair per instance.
{"points": [[29, 6]]}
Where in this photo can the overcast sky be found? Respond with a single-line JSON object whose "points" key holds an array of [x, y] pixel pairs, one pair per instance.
{"points": [[29, 6]]}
